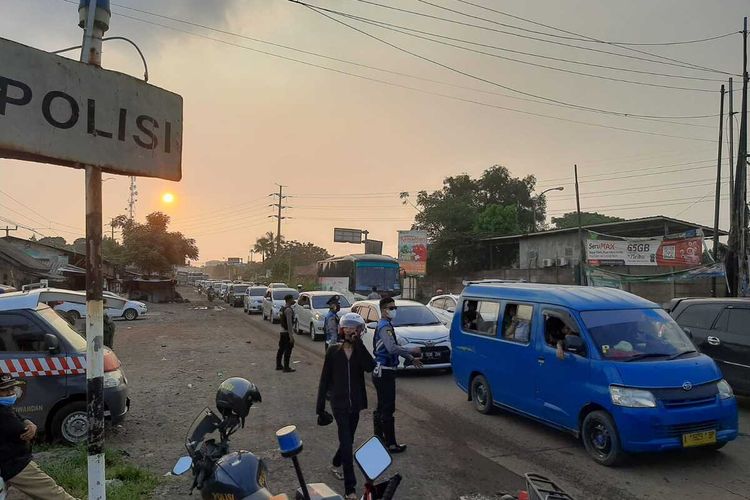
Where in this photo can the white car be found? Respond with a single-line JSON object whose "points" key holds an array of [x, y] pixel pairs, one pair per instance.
{"points": [[310, 312], [415, 326], [130, 311], [444, 306], [273, 302], [253, 299]]}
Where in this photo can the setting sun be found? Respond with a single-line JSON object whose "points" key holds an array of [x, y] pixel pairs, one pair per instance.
{"points": [[167, 198]]}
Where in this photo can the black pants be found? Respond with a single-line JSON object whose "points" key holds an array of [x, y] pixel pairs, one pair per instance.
{"points": [[285, 349], [383, 420], [347, 426]]}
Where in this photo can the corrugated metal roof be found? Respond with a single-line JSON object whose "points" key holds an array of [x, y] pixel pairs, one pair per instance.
{"points": [[21, 259]]}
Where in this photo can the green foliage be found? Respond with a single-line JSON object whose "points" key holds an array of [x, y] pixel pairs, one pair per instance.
{"points": [[67, 466], [495, 204], [570, 219], [55, 241], [151, 247]]}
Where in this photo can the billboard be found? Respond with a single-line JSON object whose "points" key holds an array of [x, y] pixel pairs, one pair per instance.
{"points": [[674, 252], [412, 252], [233, 261], [343, 235]]}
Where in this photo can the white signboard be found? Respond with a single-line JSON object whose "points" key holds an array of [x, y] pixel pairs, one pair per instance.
{"points": [[623, 252], [61, 111], [343, 235]]}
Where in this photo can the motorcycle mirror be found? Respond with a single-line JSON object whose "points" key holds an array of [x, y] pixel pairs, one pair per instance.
{"points": [[182, 466], [373, 458]]}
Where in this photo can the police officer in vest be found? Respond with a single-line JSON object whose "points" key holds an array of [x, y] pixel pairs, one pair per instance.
{"points": [[387, 352], [331, 322]]}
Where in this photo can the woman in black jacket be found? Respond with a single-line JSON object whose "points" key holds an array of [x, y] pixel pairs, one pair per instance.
{"points": [[343, 382]]}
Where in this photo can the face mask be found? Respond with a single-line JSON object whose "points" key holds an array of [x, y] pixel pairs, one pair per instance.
{"points": [[8, 400], [391, 313]]}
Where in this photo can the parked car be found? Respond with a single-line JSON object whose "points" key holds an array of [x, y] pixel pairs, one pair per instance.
{"points": [[131, 310], [719, 328], [278, 285], [609, 367], [39, 347], [415, 326], [274, 300], [253, 299], [310, 312], [236, 294], [444, 306]]}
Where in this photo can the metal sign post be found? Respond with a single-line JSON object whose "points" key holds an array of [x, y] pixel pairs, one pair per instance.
{"points": [[96, 16]]}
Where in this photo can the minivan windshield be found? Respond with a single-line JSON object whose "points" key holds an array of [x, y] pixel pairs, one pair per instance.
{"points": [[633, 334], [280, 294], [258, 291], [415, 316], [77, 342]]}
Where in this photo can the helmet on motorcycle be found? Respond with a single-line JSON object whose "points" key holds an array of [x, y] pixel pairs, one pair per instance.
{"points": [[235, 397], [351, 320]]}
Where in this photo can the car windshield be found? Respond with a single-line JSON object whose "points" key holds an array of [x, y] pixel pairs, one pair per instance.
{"points": [[257, 292], [629, 335], [239, 288], [415, 316], [280, 294], [63, 328], [319, 301]]}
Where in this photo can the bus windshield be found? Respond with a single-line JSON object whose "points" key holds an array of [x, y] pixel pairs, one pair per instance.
{"points": [[383, 276]]}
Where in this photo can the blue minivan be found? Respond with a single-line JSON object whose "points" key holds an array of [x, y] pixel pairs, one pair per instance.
{"points": [[610, 367]]}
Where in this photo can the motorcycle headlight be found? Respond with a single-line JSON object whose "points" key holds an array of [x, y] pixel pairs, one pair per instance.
{"points": [[725, 390], [113, 379], [631, 398]]}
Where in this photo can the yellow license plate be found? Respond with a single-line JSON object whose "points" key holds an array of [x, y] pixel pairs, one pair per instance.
{"points": [[698, 438]]}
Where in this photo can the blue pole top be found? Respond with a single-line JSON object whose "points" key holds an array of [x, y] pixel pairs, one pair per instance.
{"points": [[101, 4]]}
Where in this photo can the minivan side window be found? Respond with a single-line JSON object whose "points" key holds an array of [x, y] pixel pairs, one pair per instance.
{"points": [[558, 324], [19, 334], [699, 316], [480, 316], [517, 322]]}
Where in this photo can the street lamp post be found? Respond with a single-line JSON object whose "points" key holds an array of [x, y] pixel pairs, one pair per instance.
{"points": [[533, 203]]}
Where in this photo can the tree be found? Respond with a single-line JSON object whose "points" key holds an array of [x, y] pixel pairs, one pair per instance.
{"points": [[79, 245], [570, 219], [495, 204], [54, 241], [152, 248]]}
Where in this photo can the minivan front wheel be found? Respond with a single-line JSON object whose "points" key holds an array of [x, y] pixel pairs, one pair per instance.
{"points": [[70, 424], [600, 438], [481, 395]]}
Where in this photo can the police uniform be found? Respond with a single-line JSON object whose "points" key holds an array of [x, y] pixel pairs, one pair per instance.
{"points": [[17, 468], [331, 323], [286, 340], [387, 351]]}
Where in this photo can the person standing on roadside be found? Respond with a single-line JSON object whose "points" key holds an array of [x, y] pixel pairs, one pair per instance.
{"points": [[374, 295], [331, 322], [343, 381], [286, 340], [387, 351], [17, 468]]}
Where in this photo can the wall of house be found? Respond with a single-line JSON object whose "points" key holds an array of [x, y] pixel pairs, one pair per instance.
{"points": [[534, 251]]}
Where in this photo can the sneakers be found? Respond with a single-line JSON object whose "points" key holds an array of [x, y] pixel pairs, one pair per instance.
{"points": [[279, 368], [396, 448], [351, 496], [289, 370], [338, 474]]}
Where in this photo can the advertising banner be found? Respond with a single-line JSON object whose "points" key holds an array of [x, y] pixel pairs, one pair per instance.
{"points": [[680, 253], [622, 252], [412, 252]]}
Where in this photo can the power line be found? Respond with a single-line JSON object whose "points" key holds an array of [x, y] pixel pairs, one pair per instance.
{"points": [[491, 82], [689, 66], [591, 39], [643, 169]]}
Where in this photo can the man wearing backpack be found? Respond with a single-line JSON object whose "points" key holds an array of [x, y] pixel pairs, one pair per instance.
{"points": [[286, 340]]}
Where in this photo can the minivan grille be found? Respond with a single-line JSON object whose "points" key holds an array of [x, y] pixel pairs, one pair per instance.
{"points": [[679, 398], [680, 429]]}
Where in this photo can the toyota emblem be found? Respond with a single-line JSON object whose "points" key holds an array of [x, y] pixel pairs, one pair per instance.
{"points": [[686, 386]]}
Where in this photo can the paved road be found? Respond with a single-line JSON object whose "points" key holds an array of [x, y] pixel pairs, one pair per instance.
{"points": [[489, 454]]}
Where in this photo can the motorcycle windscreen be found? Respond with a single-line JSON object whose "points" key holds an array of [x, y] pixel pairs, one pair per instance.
{"points": [[205, 424]]}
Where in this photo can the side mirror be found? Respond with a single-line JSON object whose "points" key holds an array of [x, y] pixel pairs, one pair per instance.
{"points": [[373, 458], [451, 309], [53, 343], [182, 466], [574, 344], [372, 325], [688, 332]]}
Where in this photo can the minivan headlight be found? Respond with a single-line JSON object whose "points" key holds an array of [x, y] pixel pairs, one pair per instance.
{"points": [[725, 390], [113, 379], [631, 398]]}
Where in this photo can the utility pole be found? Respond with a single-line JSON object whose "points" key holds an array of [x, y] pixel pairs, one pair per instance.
{"points": [[8, 230], [717, 202], [731, 144], [736, 259], [278, 216], [582, 253], [132, 198]]}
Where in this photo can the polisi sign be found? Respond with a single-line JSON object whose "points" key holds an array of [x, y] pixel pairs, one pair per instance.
{"points": [[56, 110]]}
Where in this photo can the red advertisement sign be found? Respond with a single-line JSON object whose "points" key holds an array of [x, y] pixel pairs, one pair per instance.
{"points": [[680, 253]]}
